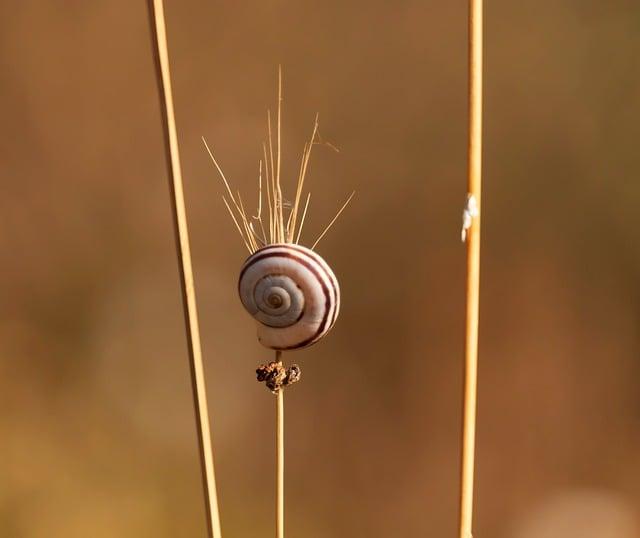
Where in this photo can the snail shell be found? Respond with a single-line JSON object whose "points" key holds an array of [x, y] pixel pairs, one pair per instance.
{"points": [[292, 293]]}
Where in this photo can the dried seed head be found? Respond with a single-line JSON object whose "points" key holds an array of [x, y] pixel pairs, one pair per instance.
{"points": [[275, 376]]}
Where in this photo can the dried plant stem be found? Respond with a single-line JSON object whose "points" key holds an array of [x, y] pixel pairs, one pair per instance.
{"points": [[279, 458], [158, 29], [473, 270]]}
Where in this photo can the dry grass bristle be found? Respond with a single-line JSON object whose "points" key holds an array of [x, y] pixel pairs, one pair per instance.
{"points": [[285, 220], [334, 219]]}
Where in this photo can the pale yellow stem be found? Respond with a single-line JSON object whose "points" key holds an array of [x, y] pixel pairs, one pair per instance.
{"points": [[161, 51], [473, 271], [279, 458]]}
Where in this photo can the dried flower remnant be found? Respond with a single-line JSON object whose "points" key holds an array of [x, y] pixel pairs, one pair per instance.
{"points": [[275, 376]]}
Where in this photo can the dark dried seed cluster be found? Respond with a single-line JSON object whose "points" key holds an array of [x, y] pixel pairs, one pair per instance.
{"points": [[276, 376]]}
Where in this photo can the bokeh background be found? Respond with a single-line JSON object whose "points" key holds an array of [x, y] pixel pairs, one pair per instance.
{"points": [[97, 435]]}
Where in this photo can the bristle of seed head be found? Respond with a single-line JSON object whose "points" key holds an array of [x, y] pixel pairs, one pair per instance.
{"points": [[334, 219], [252, 229], [304, 214]]}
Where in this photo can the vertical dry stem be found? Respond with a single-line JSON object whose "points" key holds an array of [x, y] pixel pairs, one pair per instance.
{"points": [[279, 458], [156, 12], [473, 269]]}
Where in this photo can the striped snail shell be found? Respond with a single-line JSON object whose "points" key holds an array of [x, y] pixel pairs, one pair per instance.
{"points": [[292, 293]]}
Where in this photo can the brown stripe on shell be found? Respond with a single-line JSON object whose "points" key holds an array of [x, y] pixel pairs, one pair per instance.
{"points": [[330, 276]]}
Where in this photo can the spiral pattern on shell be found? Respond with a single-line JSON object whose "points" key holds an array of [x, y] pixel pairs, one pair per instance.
{"points": [[292, 293]]}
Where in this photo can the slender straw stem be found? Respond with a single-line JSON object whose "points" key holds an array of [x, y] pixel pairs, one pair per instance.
{"points": [[279, 458], [161, 54], [473, 269]]}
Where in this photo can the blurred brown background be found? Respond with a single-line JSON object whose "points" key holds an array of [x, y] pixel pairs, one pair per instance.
{"points": [[97, 433]]}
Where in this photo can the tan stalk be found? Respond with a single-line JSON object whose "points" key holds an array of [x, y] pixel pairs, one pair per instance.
{"points": [[161, 56], [473, 271], [279, 457]]}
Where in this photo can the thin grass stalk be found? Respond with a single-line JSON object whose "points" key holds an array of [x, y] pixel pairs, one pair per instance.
{"points": [[279, 458], [473, 270], [161, 53]]}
